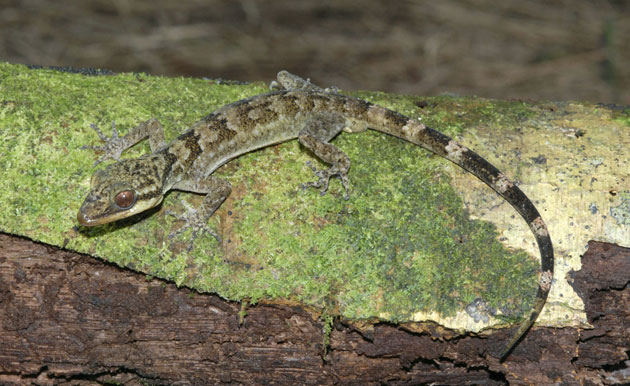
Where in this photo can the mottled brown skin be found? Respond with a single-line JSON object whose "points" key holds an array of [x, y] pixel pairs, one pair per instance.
{"points": [[298, 110]]}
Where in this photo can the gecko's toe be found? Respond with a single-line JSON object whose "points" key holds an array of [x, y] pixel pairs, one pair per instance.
{"points": [[192, 221], [175, 233], [324, 176]]}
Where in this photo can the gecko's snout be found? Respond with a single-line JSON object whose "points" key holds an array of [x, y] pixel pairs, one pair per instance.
{"points": [[84, 220]]}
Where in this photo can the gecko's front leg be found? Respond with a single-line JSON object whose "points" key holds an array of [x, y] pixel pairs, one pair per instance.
{"points": [[216, 190], [115, 145]]}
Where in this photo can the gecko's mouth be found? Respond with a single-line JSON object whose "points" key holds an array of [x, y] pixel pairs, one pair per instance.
{"points": [[89, 221], [85, 220]]}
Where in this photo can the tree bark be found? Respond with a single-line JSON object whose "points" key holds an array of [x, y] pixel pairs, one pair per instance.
{"points": [[67, 318]]}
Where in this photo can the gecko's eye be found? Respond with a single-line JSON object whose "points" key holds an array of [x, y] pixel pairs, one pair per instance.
{"points": [[125, 199]]}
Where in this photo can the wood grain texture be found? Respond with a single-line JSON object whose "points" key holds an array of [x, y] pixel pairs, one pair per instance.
{"points": [[67, 318]]}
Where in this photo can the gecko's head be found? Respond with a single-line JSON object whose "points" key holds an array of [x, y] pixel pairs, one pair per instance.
{"points": [[121, 190]]}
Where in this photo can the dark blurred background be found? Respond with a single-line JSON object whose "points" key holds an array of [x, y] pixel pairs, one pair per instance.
{"points": [[526, 49]]}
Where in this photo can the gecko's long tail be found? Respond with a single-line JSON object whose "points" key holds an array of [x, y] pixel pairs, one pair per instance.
{"points": [[486, 172], [411, 130]]}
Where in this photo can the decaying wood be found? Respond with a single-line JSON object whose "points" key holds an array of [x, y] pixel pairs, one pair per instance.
{"points": [[71, 318]]}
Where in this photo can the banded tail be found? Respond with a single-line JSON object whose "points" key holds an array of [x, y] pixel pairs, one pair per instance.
{"points": [[412, 130]]}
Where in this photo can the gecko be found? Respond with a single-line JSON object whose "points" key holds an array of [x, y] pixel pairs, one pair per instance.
{"points": [[294, 109]]}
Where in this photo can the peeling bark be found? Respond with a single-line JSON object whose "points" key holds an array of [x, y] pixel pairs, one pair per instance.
{"points": [[71, 318], [603, 286]]}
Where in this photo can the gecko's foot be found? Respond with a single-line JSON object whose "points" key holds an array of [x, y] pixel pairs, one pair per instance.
{"points": [[288, 81], [113, 147], [194, 220], [324, 176]]}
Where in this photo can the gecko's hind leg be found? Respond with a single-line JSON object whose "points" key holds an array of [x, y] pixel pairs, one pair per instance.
{"points": [[288, 81], [315, 136]]}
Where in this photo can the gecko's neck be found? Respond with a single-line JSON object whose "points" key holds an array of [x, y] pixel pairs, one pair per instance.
{"points": [[163, 168]]}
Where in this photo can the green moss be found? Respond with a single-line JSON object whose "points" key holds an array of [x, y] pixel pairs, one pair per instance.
{"points": [[622, 117], [327, 320], [401, 244]]}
